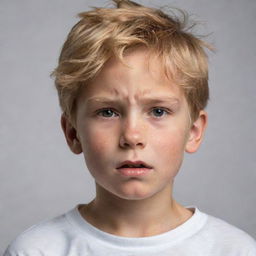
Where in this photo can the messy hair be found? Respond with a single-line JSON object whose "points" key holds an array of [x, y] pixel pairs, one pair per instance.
{"points": [[103, 33]]}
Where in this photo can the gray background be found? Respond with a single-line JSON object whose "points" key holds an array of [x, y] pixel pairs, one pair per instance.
{"points": [[39, 176]]}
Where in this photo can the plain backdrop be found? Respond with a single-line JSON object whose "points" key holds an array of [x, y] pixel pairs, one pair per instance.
{"points": [[40, 178]]}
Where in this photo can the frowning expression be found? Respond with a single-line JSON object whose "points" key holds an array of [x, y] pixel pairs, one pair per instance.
{"points": [[133, 113]]}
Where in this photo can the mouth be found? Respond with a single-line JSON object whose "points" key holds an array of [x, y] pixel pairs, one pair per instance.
{"points": [[134, 168], [133, 164]]}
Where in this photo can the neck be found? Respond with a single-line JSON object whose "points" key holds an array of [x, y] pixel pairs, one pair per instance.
{"points": [[151, 216]]}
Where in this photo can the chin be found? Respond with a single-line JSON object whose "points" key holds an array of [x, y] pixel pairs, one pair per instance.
{"points": [[132, 191], [134, 195]]}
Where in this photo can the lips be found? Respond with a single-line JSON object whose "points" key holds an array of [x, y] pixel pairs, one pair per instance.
{"points": [[134, 169], [134, 164]]}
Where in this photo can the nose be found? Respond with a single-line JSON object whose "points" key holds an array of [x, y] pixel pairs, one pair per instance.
{"points": [[133, 134]]}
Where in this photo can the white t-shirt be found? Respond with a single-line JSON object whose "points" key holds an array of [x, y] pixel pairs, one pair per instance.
{"points": [[71, 235]]}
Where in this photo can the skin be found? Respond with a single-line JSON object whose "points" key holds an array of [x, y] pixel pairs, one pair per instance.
{"points": [[134, 112]]}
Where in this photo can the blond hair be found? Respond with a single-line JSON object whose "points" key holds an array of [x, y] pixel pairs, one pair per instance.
{"points": [[106, 32]]}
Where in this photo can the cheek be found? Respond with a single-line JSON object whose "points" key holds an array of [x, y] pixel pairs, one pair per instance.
{"points": [[95, 152], [171, 141], [96, 143], [169, 147]]}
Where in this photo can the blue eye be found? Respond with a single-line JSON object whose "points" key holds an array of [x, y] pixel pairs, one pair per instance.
{"points": [[107, 113], [159, 112]]}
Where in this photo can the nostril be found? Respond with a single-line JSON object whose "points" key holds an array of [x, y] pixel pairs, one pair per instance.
{"points": [[126, 142]]}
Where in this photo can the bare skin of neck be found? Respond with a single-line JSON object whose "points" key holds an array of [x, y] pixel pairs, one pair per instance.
{"points": [[135, 218]]}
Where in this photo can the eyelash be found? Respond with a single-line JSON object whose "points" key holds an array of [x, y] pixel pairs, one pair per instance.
{"points": [[101, 111], [166, 112]]}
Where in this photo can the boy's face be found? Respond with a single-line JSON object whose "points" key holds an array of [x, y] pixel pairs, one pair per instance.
{"points": [[133, 113]]}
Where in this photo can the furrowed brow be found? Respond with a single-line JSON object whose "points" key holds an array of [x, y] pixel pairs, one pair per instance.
{"points": [[144, 100]]}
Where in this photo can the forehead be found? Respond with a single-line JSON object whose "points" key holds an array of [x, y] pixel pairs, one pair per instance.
{"points": [[140, 73]]}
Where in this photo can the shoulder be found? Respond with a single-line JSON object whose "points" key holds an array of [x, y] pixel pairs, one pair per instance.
{"points": [[39, 238], [224, 234]]}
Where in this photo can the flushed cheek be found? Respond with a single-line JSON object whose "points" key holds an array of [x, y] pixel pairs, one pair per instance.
{"points": [[96, 145], [171, 148], [171, 140]]}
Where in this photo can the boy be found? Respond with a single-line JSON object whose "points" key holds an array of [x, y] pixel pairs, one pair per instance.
{"points": [[133, 86]]}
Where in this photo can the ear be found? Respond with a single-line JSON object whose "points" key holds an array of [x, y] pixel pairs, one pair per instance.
{"points": [[71, 135], [196, 132]]}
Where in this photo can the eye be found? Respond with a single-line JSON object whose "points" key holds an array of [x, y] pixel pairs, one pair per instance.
{"points": [[107, 113], [159, 112]]}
